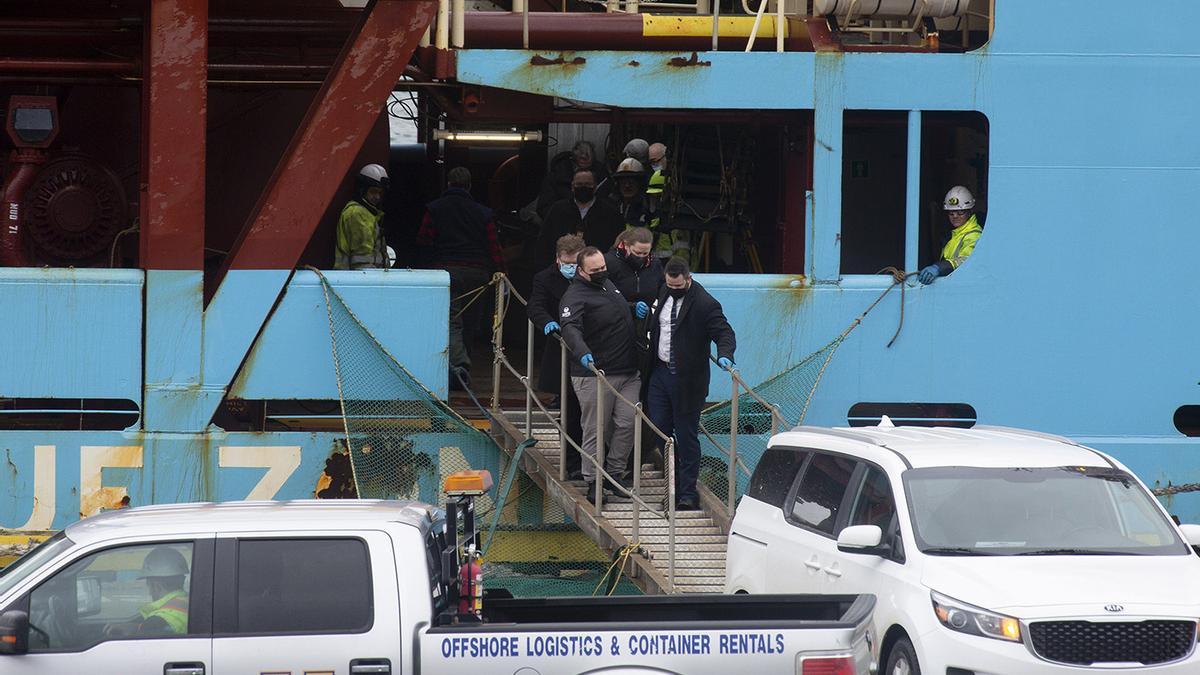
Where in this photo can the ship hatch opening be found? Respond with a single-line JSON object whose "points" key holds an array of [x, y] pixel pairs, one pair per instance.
{"points": [[67, 414]]}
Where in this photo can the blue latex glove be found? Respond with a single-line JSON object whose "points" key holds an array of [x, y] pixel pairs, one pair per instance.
{"points": [[551, 327], [641, 309], [587, 360], [725, 363], [928, 274]]}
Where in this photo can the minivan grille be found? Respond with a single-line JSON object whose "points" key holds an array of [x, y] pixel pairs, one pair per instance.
{"points": [[1087, 642]]}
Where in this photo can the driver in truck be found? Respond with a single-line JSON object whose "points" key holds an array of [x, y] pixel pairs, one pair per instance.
{"points": [[164, 571]]}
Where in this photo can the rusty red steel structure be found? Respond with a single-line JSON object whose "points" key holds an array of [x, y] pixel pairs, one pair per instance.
{"points": [[329, 137], [174, 111]]}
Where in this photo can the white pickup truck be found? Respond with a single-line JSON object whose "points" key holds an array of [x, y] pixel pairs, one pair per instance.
{"points": [[358, 587]]}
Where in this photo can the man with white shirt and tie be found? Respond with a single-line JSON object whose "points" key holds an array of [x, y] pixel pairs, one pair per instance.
{"points": [[688, 319]]}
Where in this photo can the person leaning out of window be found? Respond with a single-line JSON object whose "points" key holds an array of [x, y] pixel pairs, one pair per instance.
{"points": [[965, 232]]}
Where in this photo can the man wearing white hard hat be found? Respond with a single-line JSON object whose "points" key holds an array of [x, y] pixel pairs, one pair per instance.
{"points": [[960, 210], [360, 242]]}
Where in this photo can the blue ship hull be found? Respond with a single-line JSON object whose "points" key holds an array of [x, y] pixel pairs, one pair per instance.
{"points": [[1075, 315]]}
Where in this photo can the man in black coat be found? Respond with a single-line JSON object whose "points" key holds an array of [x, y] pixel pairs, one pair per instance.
{"points": [[549, 285], [596, 220], [597, 327], [688, 319], [637, 274], [459, 235]]}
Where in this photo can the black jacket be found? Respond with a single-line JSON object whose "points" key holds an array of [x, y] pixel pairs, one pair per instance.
{"points": [[598, 321], [699, 322], [549, 285], [643, 283], [459, 231], [599, 229]]}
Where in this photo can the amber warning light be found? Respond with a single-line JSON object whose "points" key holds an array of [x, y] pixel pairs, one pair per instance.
{"points": [[468, 483]]}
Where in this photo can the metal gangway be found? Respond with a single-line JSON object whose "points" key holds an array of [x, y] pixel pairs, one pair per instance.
{"points": [[663, 550]]}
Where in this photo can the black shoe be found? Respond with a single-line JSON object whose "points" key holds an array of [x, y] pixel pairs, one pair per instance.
{"points": [[687, 505], [589, 489], [575, 474]]}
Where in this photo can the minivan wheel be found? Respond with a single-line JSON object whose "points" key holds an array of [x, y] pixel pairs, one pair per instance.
{"points": [[903, 659]]}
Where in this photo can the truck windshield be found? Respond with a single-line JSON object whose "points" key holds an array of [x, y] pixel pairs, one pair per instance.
{"points": [[1042, 511], [25, 565]]}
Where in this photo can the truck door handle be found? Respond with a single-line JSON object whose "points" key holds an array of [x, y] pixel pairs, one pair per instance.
{"points": [[183, 669], [813, 563], [370, 667]]}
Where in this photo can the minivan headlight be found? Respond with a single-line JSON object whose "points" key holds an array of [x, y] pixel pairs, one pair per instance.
{"points": [[972, 620]]}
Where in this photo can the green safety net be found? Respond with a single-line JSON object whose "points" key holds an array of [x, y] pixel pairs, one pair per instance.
{"points": [[790, 391], [403, 441]]}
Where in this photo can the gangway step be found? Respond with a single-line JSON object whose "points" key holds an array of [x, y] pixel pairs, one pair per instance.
{"points": [[699, 542]]}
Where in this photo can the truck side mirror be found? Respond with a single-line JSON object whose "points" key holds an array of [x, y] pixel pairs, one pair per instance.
{"points": [[861, 539], [14, 632]]}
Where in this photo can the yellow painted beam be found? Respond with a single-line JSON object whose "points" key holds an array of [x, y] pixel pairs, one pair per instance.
{"points": [[701, 26]]}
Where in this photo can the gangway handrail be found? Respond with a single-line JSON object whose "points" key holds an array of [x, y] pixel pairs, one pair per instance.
{"points": [[504, 289], [735, 462]]}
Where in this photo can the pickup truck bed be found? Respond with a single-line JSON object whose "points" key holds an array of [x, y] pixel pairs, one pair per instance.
{"points": [[660, 634]]}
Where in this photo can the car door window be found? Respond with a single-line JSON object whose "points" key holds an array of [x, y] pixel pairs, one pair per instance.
{"points": [[775, 473], [874, 504], [118, 593], [287, 586], [821, 491]]}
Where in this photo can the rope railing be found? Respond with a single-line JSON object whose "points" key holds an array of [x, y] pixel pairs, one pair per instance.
{"points": [[504, 291]]}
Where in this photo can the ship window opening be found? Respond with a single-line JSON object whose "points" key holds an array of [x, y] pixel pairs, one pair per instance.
{"points": [[954, 151], [67, 414], [235, 414], [960, 415], [874, 170], [1187, 420]]}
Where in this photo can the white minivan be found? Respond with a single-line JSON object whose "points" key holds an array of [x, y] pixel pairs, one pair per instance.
{"points": [[990, 550]]}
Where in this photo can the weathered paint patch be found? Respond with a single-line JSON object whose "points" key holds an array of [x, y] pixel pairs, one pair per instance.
{"points": [[539, 60], [337, 480], [680, 62]]}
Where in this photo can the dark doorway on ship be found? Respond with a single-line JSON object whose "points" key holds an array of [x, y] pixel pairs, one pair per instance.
{"points": [[733, 196], [954, 151], [875, 163]]}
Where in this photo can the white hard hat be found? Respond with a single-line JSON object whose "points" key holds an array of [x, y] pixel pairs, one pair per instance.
{"points": [[391, 257], [373, 175], [163, 562], [959, 198], [629, 167]]}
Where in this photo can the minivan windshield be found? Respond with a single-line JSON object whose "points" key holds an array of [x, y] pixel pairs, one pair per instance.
{"points": [[1043, 511], [25, 565]]}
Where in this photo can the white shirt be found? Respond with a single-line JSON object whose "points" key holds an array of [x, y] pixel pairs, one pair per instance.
{"points": [[664, 327], [584, 208]]}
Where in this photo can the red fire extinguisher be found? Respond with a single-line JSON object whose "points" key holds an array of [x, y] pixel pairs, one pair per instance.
{"points": [[470, 581]]}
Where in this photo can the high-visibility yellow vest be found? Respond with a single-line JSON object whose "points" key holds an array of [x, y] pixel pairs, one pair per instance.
{"points": [[171, 608], [359, 238], [962, 242]]}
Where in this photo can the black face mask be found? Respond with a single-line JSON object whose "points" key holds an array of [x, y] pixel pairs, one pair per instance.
{"points": [[637, 262], [583, 195], [677, 293], [599, 278]]}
